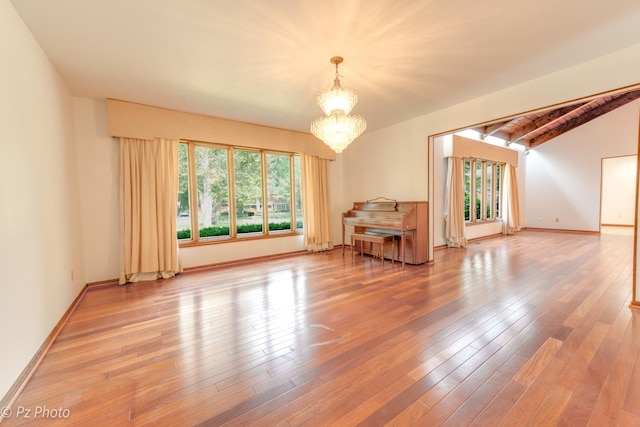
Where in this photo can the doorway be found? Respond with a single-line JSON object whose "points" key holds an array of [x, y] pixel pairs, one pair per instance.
{"points": [[617, 199]]}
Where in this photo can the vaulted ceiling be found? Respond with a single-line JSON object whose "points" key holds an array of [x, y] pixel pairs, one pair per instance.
{"points": [[264, 61], [534, 129]]}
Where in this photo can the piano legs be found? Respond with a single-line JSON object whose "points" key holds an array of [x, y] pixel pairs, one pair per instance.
{"points": [[378, 238], [402, 244], [374, 238]]}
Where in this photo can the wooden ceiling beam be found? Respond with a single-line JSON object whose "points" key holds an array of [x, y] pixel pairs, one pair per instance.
{"points": [[546, 120], [616, 102], [495, 128]]}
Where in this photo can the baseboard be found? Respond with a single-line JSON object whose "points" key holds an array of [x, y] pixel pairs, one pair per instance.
{"points": [[244, 261], [103, 283], [488, 236], [474, 240], [560, 230], [14, 392]]}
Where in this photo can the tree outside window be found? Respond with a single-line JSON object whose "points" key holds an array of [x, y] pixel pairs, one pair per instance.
{"points": [[229, 186], [482, 186]]}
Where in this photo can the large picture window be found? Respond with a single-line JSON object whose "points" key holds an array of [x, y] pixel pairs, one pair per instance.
{"points": [[212, 185], [482, 185], [227, 193], [248, 171]]}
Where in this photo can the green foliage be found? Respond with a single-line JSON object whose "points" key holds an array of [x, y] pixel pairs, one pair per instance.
{"points": [[298, 183], [214, 231], [248, 178], [212, 182], [245, 228], [249, 228], [279, 176], [183, 178], [212, 175], [280, 226], [467, 206]]}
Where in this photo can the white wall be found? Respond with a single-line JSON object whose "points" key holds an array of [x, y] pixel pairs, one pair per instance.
{"points": [[440, 165], [40, 240], [617, 205], [392, 162], [563, 181], [98, 159], [401, 150]]}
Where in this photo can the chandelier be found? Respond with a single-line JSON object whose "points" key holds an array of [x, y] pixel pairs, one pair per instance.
{"points": [[338, 129]]}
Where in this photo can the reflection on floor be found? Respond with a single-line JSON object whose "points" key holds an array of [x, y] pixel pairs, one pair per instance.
{"points": [[617, 229]]}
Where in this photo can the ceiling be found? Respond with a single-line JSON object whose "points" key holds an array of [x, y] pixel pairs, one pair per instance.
{"points": [[264, 61]]}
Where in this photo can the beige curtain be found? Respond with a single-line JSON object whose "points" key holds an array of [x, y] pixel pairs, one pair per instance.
{"points": [[454, 204], [148, 199], [316, 211], [511, 201]]}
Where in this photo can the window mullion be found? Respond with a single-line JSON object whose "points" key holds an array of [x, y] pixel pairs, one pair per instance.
{"points": [[292, 193], [233, 211], [499, 195], [472, 190], [265, 193], [483, 190], [494, 187], [193, 192], [474, 214]]}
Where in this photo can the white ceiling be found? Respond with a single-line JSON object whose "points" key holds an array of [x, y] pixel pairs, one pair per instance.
{"points": [[264, 61]]}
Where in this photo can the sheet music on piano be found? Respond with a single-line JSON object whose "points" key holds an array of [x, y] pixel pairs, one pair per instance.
{"points": [[408, 220]]}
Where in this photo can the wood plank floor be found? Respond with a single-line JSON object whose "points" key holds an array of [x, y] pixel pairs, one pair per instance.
{"points": [[533, 329]]}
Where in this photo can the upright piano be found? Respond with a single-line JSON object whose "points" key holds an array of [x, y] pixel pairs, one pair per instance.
{"points": [[407, 220]]}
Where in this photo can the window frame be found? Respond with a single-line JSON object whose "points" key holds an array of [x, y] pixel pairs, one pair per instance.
{"points": [[234, 236], [494, 176]]}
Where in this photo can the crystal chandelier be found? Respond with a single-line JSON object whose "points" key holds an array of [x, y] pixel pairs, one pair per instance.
{"points": [[338, 129]]}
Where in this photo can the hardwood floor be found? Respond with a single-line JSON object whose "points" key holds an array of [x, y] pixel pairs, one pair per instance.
{"points": [[533, 329]]}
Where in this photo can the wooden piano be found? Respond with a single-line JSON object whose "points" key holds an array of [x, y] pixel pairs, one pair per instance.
{"points": [[408, 220]]}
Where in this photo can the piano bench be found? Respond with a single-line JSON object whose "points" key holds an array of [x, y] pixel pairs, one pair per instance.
{"points": [[374, 238]]}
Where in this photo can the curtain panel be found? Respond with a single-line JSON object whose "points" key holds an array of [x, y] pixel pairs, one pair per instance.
{"points": [[316, 210], [454, 204], [148, 200], [512, 201]]}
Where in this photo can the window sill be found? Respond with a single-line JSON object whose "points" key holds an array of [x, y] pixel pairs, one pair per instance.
{"points": [[489, 221], [241, 238]]}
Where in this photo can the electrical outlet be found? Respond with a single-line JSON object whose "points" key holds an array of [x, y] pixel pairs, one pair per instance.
{"points": [[557, 219], [71, 274]]}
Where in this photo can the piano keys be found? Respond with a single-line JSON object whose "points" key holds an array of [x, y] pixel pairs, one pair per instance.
{"points": [[407, 220]]}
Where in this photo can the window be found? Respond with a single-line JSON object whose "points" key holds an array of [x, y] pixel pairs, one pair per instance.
{"points": [[482, 185], [247, 166], [212, 183], [298, 190], [183, 222], [279, 192], [228, 187]]}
